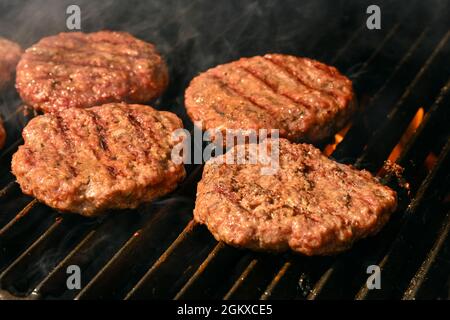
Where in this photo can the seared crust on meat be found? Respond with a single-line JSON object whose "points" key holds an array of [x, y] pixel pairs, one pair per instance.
{"points": [[312, 205], [87, 69], [10, 53], [303, 98], [113, 156]]}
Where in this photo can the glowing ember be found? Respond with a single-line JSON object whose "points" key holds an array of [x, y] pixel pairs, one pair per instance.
{"points": [[338, 137]]}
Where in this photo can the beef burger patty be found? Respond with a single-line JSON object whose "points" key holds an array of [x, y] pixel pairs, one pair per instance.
{"points": [[87, 69], [311, 205], [303, 98], [86, 161]]}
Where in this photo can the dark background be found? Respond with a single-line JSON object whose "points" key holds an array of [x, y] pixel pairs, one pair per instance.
{"points": [[395, 71]]}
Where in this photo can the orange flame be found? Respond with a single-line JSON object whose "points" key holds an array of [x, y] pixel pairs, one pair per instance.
{"points": [[338, 137], [430, 161], [415, 123]]}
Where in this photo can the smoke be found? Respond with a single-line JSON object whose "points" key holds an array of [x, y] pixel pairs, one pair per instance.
{"points": [[194, 35], [191, 35]]}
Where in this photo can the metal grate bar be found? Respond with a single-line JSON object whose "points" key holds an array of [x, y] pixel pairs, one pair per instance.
{"points": [[90, 254], [341, 272], [418, 93], [212, 271], [414, 153], [407, 248], [268, 292], [241, 282], [434, 123], [32, 263], [12, 242], [289, 262], [131, 261], [254, 279], [369, 59], [137, 261], [358, 50], [19, 217], [175, 266], [421, 279], [378, 106], [7, 190]]}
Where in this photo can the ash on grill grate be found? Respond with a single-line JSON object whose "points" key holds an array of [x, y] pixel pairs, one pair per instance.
{"points": [[159, 252]]}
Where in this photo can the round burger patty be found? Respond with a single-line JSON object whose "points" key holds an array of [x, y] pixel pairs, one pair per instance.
{"points": [[311, 205], [86, 161], [87, 69], [303, 98], [9, 56]]}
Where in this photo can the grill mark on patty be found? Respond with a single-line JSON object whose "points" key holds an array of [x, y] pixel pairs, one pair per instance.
{"points": [[271, 196], [61, 128], [123, 69], [222, 113], [138, 129], [112, 171], [99, 129], [143, 129], [256, 91], [102, 142], [238, 93], [93, 150], [90, 48], [292, 90], [168, 153], [128, 42], [230, 195], [274, 89], [288, 70], [156, 116], [334, 93], [151, 57], [93, 191], [68, 63], [216, 107], [329, 222]]}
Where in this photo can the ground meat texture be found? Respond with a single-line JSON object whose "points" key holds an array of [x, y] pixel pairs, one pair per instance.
{"points": [[9, 56], [87, 69], [2, 134], [306, 100], [86, 161], [311, 205]]}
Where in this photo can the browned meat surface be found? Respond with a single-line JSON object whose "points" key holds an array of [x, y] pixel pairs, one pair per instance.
{"points": [[9, 56], [312, 205], [303, 98], [83, 70], [89, 160]]}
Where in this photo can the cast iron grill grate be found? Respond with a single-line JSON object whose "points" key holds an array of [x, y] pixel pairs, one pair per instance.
{"points": [[159, 252]]}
